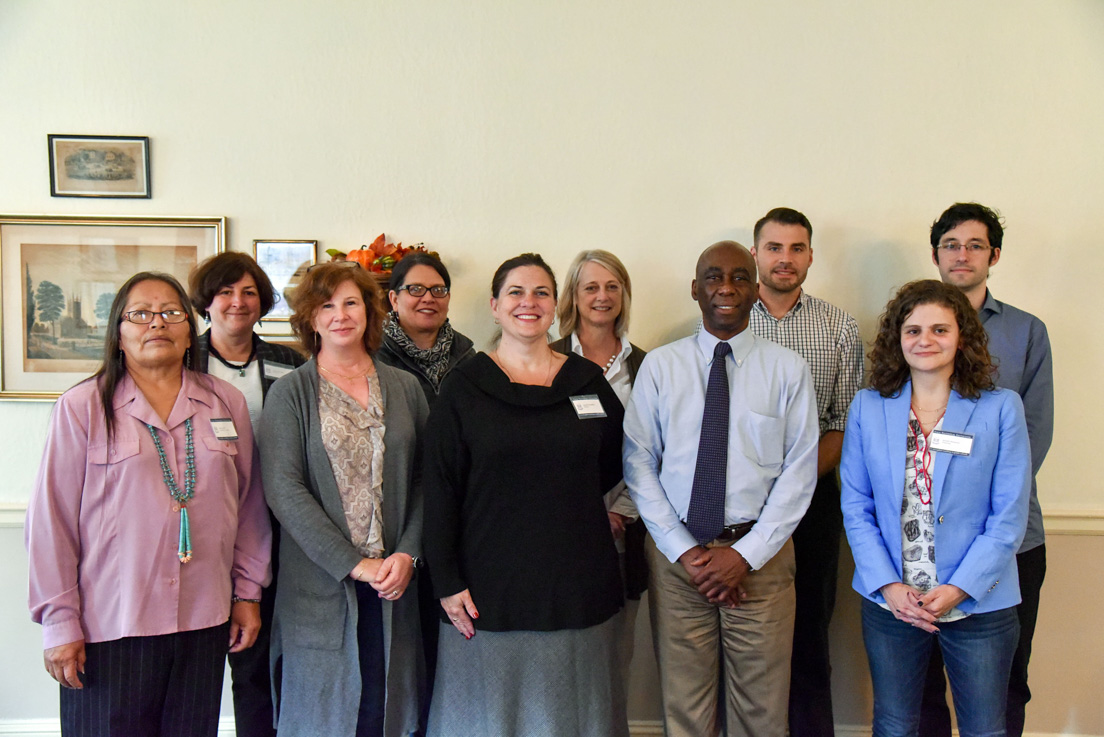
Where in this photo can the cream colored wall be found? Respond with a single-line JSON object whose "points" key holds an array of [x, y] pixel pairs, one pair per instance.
{"points": [[649, 128]]}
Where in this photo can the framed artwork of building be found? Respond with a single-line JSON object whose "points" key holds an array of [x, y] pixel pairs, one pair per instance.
{"points": [[58, 277]]}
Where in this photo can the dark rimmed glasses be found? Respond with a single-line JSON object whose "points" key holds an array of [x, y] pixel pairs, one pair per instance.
{"points": [[145, 317], [418, 290]]}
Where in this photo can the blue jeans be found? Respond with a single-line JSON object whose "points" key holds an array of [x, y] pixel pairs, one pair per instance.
{"points": [[977, 652]]}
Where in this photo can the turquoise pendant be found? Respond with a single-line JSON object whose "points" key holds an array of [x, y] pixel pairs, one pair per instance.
{"points": [[184, 550]]}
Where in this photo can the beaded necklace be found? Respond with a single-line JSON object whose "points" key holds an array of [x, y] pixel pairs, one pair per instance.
{"points": [[184, 550]]}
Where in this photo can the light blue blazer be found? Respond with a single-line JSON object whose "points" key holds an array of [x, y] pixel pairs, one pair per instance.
{"points": [[980, 501]]}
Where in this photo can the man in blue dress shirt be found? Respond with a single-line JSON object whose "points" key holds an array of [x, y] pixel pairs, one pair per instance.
{"points": [[732, 596], [966, 241]]}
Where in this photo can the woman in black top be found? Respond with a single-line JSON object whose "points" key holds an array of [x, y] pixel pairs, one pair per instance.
{"points": [[419, 339], [593, 315], [418, 336], [521, 446], [233, 293]]}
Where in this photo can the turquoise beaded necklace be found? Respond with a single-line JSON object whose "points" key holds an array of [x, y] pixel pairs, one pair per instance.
{"points": [[184, 551]]}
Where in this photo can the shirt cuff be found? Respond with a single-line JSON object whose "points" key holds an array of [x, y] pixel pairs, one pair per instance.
{"points": [[245, 589], [61, 633]]}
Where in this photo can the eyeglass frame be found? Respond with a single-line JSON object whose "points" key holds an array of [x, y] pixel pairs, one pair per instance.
{"points": [[970, 248], [153, 315], [432, 290]]}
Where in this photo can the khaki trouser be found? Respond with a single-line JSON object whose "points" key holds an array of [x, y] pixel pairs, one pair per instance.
{"points": [[756, 639]]}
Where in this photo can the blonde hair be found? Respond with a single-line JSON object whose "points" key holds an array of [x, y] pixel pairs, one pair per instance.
{"points": [[566, 311]]}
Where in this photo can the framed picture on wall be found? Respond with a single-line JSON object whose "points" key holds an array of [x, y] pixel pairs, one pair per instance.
{"points": [[99, 166], [284, 262], [58, 277]]}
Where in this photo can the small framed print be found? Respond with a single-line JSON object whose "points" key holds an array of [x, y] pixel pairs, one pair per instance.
{"points": [[99, 166], [284, 262]]}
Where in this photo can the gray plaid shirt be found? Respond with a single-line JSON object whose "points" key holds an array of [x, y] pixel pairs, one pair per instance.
{"points": [[828, 339]]}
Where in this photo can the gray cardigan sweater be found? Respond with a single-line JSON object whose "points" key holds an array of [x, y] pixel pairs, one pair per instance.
{"points": [[314, 628]]}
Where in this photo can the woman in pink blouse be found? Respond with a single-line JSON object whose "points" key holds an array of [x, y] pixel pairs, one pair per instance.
{"points": [[147, 530]]}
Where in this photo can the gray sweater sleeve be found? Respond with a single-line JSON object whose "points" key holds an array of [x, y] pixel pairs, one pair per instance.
{"points": [[291, 473]]}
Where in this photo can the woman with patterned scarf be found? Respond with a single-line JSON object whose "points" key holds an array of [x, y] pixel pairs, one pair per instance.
{"points": [[418, 338]]}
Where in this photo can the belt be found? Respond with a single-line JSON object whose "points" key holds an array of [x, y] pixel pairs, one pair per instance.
{"points": [[732, 533]]}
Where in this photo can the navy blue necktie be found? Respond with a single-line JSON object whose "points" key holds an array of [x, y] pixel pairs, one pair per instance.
{"points": [[705, 517]]}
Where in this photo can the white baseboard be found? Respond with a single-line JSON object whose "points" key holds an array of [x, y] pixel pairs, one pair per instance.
{"points": [[638, 728], [52, 727]]}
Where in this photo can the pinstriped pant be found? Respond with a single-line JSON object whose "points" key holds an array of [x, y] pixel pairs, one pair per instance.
{"points": [[157, 686]]}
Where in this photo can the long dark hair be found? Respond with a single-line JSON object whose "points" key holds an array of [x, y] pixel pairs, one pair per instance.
{"points": [[113, 368], [973, 367]]}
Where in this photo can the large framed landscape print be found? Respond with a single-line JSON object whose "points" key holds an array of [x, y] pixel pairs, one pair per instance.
{"points": [[58, 277]]}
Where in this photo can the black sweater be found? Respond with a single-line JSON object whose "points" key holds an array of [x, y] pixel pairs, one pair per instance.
{"points": [[514, 480]]}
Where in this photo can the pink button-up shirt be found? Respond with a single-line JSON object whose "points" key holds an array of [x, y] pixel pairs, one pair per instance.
{"points": [[101, 531]]}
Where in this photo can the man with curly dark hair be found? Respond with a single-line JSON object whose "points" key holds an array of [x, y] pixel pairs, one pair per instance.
{"points": [[966, 243]]}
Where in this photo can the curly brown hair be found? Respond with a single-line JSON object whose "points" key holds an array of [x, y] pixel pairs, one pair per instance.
{"points": [[973, 367], [318, 286]]}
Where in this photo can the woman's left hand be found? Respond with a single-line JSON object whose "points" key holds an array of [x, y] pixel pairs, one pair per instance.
{"points": [[394, 576], [245, 625], [942, 599]]}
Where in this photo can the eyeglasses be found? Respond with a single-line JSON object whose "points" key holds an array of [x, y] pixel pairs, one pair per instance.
{"points": [[145, 317], [971, 248], [417, 290]]}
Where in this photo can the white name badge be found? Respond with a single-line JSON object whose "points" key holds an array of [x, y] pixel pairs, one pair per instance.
{"points": [[587, 406], [224, 429], [276, 370], [955, 443]]}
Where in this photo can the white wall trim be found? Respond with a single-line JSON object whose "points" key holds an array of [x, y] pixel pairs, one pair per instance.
{"points": [[1067, 522], [52, 728]]}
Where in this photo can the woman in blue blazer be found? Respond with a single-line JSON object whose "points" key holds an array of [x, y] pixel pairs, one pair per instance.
{"points": [[936, 477]]}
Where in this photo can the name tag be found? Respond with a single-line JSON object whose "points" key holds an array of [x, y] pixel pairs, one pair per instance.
{"points": [[224, 429], [276, 370], [955, 443], [587, 406]]}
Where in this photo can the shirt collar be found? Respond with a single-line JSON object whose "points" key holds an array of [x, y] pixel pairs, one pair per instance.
{"points": [[577, 347], [799, 304], [990, 304], [741, 344], [130, 397]]}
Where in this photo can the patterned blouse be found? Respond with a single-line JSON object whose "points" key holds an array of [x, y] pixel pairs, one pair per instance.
{"points": [[353, 437], [918, 515]]}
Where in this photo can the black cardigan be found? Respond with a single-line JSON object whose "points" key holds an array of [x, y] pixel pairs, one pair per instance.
{"points": [[515, 480]]}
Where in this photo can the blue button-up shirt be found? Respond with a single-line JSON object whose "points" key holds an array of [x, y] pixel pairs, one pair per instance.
{"points": [[1020, 348], [772, 441]]}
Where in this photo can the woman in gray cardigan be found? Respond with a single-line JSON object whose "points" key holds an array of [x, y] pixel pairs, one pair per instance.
{"points": [[345, 642]]}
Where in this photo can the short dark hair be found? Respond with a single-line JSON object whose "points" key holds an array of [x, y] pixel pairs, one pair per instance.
{"points": [[318, 286], [113, 368], [973, 367], [222, 270], [964, 212], [525, 259], [417, 258], [784, 216]]}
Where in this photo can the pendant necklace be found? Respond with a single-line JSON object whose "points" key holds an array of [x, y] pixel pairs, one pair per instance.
{"points": [[239, 367], [180, 498]]}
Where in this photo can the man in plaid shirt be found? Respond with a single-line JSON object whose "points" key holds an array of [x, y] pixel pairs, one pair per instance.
{"points": [[828, 339]]}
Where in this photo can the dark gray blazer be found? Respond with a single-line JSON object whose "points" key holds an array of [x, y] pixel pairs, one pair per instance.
{"points": [[314, 630]]}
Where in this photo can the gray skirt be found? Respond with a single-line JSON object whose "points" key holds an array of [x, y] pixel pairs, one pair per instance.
{"points": [[530, 684]]}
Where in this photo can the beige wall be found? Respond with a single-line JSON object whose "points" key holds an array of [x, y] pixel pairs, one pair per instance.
{"points": [[648, 128]]}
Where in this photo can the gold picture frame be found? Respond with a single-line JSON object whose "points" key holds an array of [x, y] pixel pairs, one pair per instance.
{"points": [[52, 266]]}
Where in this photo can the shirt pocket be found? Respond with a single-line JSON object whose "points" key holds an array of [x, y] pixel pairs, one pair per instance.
{"points": [[111, 453], [762, 439], [226, 447]]}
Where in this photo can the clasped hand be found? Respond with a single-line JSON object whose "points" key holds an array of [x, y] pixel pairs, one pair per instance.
{"points": [[922, 609], [718, 573], [389, 576]]}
